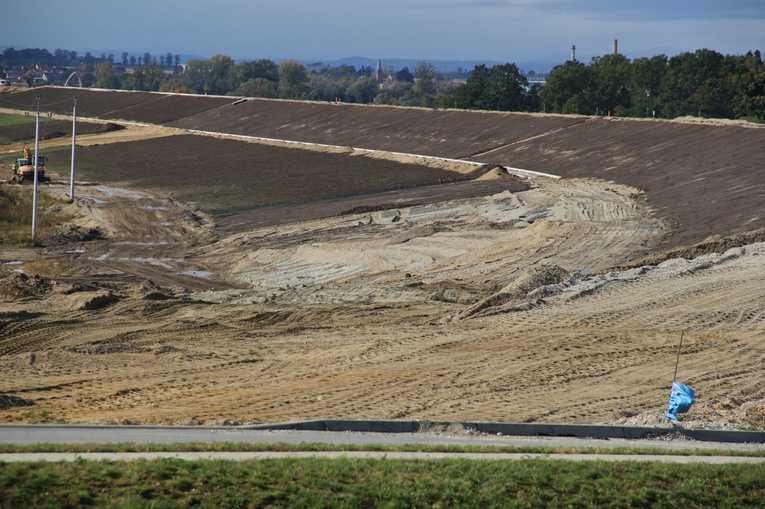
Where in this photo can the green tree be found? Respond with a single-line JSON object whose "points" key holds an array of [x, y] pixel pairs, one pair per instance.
{"points": [[690, 81], [749, 86], [250, 70], [148, 78], [104, 76], [198, 76], [568, 90], [363, 90], [405, 76], [258, 87], [423, 92], [323, 88], [645, 79], [532, 102], [345, 71], [221, 67], [293, 79], [609, 76], [208, 76], [474, 94], [500, 88], [392, 92], [134, 80]]}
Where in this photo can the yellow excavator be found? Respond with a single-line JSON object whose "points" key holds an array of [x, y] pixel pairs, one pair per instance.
{"points": [[24, 168]]}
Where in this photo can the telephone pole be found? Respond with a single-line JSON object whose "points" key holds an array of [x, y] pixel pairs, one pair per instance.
{"points": [[74, 137], [37, 162]]}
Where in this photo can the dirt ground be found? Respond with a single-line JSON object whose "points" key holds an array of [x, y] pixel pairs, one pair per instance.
{"points": [[497, 302]]}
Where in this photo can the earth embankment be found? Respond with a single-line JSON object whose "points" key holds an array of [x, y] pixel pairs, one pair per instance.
{"points": [[704, 176]]}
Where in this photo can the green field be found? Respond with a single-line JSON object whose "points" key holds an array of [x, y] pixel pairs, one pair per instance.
{"points": [[11, 120], [14, 126], [355, 482], [348, 482], [16, 214]]}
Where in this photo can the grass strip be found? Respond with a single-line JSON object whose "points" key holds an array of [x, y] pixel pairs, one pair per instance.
{"points": [[16, 214], [321, 447], [348, 482]]}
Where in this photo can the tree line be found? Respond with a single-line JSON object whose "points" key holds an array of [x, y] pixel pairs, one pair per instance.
{"points": [[701, 83], [12, 57]]}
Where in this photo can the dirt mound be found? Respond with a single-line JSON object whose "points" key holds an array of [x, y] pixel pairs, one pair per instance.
{"points": [[109, 127], [70, 233], [52, 135], [728, 413], [10, 401], [20, 286], [713, 244], [523, 292], [490, 171], [148, 290]]}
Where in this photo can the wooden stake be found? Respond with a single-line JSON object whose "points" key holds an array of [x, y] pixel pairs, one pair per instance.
{"points": [[674, 378]]}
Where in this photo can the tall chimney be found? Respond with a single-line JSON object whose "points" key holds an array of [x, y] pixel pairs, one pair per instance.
{"points": [[615, 43], [573, 53]]}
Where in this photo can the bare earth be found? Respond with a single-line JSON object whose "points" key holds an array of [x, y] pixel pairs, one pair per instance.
{"points": [[498, 305]]}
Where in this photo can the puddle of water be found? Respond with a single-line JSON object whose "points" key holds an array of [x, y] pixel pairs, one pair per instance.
{"points": [[164, 262], [197, 273], [115, 191], [14, 262], [135, 243]]}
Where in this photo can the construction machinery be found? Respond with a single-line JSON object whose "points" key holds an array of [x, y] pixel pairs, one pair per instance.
{"points": [[24, 168]]}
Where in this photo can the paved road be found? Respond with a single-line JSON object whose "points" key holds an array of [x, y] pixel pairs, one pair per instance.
{"points": [[24, 435]]}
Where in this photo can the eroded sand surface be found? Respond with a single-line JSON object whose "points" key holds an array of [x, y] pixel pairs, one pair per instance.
{"points": [[496, 308]]}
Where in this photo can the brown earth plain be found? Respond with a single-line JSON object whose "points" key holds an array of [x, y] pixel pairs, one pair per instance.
{"points": [[259, 261]]}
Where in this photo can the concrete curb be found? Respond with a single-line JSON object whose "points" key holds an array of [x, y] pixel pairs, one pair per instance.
{"points": [[510, 429]]}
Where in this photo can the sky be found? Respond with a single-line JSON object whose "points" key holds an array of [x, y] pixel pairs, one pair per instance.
{"points": [[515, 31]]}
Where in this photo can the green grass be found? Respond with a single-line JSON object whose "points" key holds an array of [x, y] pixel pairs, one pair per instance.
{"points": [[8, 125], [11, 120], [320, 447], [349, 482], [16, 214]]}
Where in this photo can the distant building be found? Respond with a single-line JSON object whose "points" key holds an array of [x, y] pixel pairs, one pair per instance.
{"points": [[537, 79], [379, 72]]}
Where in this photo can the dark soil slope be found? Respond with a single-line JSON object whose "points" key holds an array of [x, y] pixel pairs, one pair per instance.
{"points": [[144, 107], [706, 179], [456, 134], [227, 176]]}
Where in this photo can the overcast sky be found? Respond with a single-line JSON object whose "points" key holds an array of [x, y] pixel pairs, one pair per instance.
{"points": [[493, 30]]}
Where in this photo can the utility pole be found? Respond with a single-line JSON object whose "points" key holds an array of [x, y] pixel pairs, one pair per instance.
{"points": [[74, 137], [37, 161]]}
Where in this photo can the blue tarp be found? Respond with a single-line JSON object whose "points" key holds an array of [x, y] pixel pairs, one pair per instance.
{"points": [[680, 400]]}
